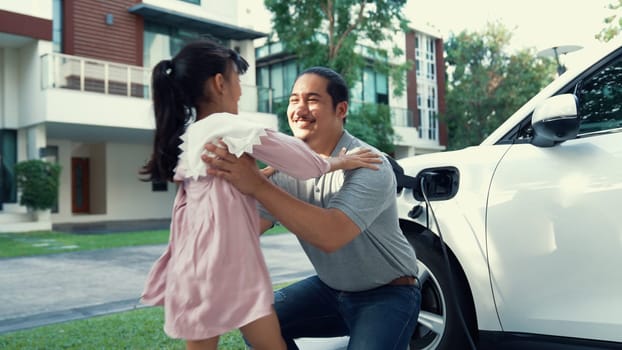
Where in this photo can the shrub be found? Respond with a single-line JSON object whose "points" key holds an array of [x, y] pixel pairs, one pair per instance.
{"points": [[38, 181]]}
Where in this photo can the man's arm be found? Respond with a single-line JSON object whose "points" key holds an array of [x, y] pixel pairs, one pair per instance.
{"points": [[328, 229], [264, 225]]}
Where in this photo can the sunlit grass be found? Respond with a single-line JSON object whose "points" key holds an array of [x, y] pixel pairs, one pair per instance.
{"points": [[136, 330], [38, 243]]}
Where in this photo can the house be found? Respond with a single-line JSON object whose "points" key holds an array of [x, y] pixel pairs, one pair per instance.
{"points": [[414, 114], [75, 89]]}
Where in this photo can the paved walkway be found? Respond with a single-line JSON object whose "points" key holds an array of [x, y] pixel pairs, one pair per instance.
{"points": [[40, 290]]}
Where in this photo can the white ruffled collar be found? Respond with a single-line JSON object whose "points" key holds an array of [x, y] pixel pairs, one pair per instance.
{"points": [[237, 133]]}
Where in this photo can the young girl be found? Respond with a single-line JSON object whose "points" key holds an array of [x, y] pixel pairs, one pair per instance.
{"points": [[212, 278]]}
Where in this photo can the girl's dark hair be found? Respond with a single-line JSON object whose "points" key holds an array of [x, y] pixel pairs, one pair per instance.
{"points": [[177, 87]]}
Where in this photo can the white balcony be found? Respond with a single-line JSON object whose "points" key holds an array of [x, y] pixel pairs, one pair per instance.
{"points": [[82, 95]]}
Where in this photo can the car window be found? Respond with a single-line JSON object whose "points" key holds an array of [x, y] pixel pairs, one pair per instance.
{"points": [[600, 99], [600, 104]]}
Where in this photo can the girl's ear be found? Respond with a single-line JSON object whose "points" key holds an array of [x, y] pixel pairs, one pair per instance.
{"points": [[214, 85], [219, 83]]}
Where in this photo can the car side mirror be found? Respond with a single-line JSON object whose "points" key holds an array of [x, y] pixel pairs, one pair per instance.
{"points": [[555, 120]]}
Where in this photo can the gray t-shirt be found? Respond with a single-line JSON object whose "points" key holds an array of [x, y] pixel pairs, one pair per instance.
{"points": [[380, 253]]}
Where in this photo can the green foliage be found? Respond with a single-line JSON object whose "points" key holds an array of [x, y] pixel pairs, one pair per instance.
{"points": [[372, 123], [329, 33], [326, 33], [39, 182], [280, 109], [486, 84], [613, 23]]}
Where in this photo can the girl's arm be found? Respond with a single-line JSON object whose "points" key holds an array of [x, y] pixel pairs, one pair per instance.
{"points": [[357, 158], [292, 156]]}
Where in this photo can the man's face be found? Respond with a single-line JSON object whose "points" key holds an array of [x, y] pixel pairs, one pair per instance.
{"points": [[311, 115]]}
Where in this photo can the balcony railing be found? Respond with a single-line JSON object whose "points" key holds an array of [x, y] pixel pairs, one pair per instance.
{"points": [[402, 117], [399, 116], [85, 74], [60, 71]]}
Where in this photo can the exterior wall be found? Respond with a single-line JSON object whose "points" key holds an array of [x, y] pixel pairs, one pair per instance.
{"points": [[112, 131], [247, 50], [214, 10], [25, 25], [116, 193], [411, 78], [64, 191], [31, 94], [97, 109], [442, 86], [35, 8], [9, 95], [35, 139], [86, 33], [128, 197]]}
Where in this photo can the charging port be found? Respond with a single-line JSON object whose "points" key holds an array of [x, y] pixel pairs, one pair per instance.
{"points": [[438, 183]]}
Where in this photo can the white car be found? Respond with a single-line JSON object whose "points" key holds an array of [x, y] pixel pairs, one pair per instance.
{"points": [[531, 221]]}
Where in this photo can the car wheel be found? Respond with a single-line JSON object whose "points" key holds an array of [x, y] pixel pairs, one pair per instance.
{"points": [[439, 326]]}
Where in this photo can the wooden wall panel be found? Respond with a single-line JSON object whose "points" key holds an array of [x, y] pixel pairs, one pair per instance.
{"points": [[87, 33]]}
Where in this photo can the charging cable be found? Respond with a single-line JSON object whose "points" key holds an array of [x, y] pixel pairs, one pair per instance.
{"points": [[424, 176]]}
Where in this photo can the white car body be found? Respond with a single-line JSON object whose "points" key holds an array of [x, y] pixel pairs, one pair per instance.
{"points": [[535, 230]]}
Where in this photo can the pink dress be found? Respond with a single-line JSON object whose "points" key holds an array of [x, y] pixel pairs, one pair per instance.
{"points": [[212, 278]]}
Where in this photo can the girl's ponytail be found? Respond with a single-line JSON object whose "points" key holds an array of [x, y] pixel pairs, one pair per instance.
{"points": [[170, 119]]}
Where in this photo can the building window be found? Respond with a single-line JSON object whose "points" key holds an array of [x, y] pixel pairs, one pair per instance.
{"points": [[427, 109], [8, 159], [427, 100], [57, 26], [425, 57], [279, 77], [372, 88], [163, 42]]}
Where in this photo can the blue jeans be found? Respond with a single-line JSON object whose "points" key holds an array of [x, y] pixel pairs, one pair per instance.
{"points": [[382, 318]]}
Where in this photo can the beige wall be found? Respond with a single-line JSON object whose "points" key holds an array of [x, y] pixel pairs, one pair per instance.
{"points": [[116, 193], [128, 197]]}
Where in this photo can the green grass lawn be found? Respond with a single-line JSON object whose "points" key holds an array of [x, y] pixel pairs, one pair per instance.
{"points": [[136, 330], [133, 330], [37, 243]]}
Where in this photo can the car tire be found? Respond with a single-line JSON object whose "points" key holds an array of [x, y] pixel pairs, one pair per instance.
{"points": [[439, 326]]}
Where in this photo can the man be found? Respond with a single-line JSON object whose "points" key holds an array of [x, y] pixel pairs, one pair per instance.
{"points": [[347, 224]]}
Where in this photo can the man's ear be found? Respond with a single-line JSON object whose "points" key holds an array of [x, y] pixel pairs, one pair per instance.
{"points": [[342, 109]]}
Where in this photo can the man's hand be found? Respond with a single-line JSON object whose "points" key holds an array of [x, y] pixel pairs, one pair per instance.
{"points": [[240, 172]]}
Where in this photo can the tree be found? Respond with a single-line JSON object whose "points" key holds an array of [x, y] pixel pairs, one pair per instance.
{"points": [[328, 33], [485, 84], [613, 23], [372, 123]]}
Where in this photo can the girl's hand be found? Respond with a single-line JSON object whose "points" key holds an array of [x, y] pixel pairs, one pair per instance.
{"points": [[357, 158], [268, 171]]}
